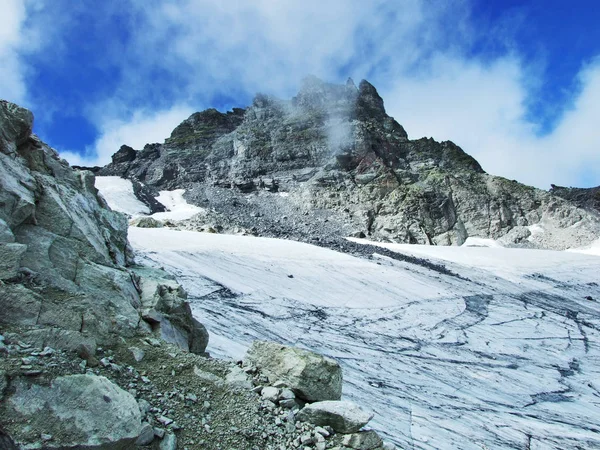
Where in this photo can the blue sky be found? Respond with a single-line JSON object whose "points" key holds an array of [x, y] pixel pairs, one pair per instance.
{"points": [[515, 83]]}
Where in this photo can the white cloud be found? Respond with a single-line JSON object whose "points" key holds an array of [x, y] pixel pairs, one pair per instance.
{"points": [[482, 109], [12, 17], [418, 53], [140, 128]]}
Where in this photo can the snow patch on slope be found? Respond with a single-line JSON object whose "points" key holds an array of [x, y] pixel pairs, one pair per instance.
{"points": [[118, 193], [178, 207]]}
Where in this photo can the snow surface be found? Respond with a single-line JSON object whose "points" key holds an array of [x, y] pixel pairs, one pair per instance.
{"points": [[500, 352], [481, 242], [118, 193], [178, 207], [592, 249]]}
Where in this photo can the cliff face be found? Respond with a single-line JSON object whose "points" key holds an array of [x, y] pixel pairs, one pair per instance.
{"points": [[342, 163], [63, 252]]}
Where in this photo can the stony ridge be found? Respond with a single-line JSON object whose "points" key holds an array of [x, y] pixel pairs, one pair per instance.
{"points": [[332, 159], [583, 197]]}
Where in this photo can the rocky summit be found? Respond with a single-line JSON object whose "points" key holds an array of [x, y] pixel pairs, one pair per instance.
{"points": [[330, 163]]}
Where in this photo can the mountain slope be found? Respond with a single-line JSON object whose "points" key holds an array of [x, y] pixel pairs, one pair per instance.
{"points": [[330, 163]]}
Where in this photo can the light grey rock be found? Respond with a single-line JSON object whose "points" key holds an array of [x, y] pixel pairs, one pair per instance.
{"points": [[144, 406], [164, 306], [19, 305], [146, 222], [286, 394], [238, 378], [57, 234], [322, 431], [342, 416], [270, 393], [138, 353], [311, 376], [10, 259], [86, 411], [366, 440], [169, 442], [146, 435]]}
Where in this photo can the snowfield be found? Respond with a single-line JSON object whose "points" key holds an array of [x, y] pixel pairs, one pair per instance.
{"points": [[500, 352], [118, 193]]}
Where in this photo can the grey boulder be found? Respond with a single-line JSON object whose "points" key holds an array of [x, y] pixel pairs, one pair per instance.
{"points": [[311, 376], [343, 417], [366, 440], [79, 411]]}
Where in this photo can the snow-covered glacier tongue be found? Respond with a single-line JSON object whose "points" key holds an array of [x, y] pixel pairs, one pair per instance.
{"points": [[486, 348]]}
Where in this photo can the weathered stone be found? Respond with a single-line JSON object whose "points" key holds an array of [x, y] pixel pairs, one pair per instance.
{"points": [[19, 305], [164, 307], [146, 222], [137, 353], [366, 440], [342, 416], [270, 393], [6, 235], [86, 411], [10, 259], [311, 376], [15, 126], [169, 442], [238, 378], [146, 435]]}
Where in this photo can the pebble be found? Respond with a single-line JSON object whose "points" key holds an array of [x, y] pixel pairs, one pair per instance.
{"points": [[164, 420], [47, 351]]}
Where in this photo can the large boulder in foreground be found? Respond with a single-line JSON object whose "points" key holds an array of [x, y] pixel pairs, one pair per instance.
{"points": [[343, 417], [311, 376], [74, 411]]}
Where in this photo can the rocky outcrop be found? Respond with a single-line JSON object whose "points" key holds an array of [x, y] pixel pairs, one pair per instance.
{"points": [[66, 284], [312, 377], [164, 307], [63, 254], [63, 250], [344, 167]]}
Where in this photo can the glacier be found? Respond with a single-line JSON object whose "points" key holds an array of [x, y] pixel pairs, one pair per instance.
{"points": [[486, 348]]}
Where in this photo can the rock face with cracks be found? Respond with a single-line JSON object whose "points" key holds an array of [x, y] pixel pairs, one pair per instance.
{"points": [[66, 283], [311, 376], [63, 254]]}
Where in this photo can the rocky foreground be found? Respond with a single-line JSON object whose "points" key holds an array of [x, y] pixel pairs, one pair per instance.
{"points": [[96, 353]]}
